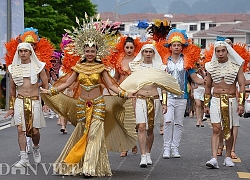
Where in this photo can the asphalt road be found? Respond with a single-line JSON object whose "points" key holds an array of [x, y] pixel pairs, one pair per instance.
{"points": [[194, 150]]}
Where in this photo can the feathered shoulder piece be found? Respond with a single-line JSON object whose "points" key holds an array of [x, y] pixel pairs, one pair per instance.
{"points": [[44, 51], [163, 51], [44, 48], [191, 55], [241, 49], [69, 60], [11, 48], [208, 54]]}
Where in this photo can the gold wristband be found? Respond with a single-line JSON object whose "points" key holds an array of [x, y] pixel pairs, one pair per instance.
{"points": [[164, 98], [12, 102], [207, 99], [241, 100], [53, 91], [123, 94]]}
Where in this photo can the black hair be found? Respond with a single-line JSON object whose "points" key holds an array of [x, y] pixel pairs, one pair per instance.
{"points": [[86, 45], [129, 39]]}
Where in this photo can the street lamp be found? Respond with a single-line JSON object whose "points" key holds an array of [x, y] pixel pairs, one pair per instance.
{"points": [[117, 5]]}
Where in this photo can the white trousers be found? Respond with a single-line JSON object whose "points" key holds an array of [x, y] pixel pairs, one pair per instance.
{"points": [[173, 123]]}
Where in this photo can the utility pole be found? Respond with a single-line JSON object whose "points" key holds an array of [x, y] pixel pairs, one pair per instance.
{"points": [[9, 30]]}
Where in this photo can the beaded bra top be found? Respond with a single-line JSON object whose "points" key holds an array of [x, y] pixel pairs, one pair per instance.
{"points": [[89, 75], [218, 71], [20, 71]]}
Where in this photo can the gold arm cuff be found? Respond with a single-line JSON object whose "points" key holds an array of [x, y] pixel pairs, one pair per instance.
{"points": [[123, 94], [207, 99], [12, 102], [241, 100], [53, 91], [164, 98]]}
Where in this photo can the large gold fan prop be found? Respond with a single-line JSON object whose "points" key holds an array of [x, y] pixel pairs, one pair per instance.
{"points": [[148, 76]]}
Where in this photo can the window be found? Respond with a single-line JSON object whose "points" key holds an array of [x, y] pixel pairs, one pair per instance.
{"points": [[122, 27], [212, 25], [193, 28], [202, 26], [203, 43]]}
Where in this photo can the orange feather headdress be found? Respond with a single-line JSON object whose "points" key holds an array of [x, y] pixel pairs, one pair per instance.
{"points": [[177, 35], [190, 51]]}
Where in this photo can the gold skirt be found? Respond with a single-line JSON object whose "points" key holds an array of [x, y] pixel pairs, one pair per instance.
{"points": [[102, 135]]}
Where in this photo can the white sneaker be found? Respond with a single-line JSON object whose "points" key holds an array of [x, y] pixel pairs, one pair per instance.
{"points": [[228, 162], [45, 114], [51, 116], [24, 161], [166, 154], [175, 153], [143, 162], [36, 154], [28, 149], [212, 163], [149, 160]]}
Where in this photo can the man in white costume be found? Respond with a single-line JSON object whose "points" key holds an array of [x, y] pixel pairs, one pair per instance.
{"points": [[148, 109], [223, 72], [25, 105]]}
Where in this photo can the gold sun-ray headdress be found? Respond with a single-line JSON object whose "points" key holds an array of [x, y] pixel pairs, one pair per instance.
{"points": [[91, 33]]}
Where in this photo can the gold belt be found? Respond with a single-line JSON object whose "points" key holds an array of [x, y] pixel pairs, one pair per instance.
{"points": [[28, 115], [147, 97], [30, 97], [228, 95]]}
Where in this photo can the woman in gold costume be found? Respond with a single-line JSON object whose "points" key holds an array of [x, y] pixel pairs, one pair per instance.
{"points": [[86, 150]]}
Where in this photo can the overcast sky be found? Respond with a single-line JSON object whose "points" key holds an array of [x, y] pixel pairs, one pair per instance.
{"points": [[173, 6], [126, 6]]}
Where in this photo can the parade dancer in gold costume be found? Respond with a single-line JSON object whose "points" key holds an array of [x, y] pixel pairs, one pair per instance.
{"points": [[85, 153]]}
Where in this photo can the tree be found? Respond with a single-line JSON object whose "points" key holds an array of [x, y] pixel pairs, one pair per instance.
{"points": [[51, 17]]}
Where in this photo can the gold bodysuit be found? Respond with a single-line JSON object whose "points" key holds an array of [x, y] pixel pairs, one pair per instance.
{"points": [[89, 75]]}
